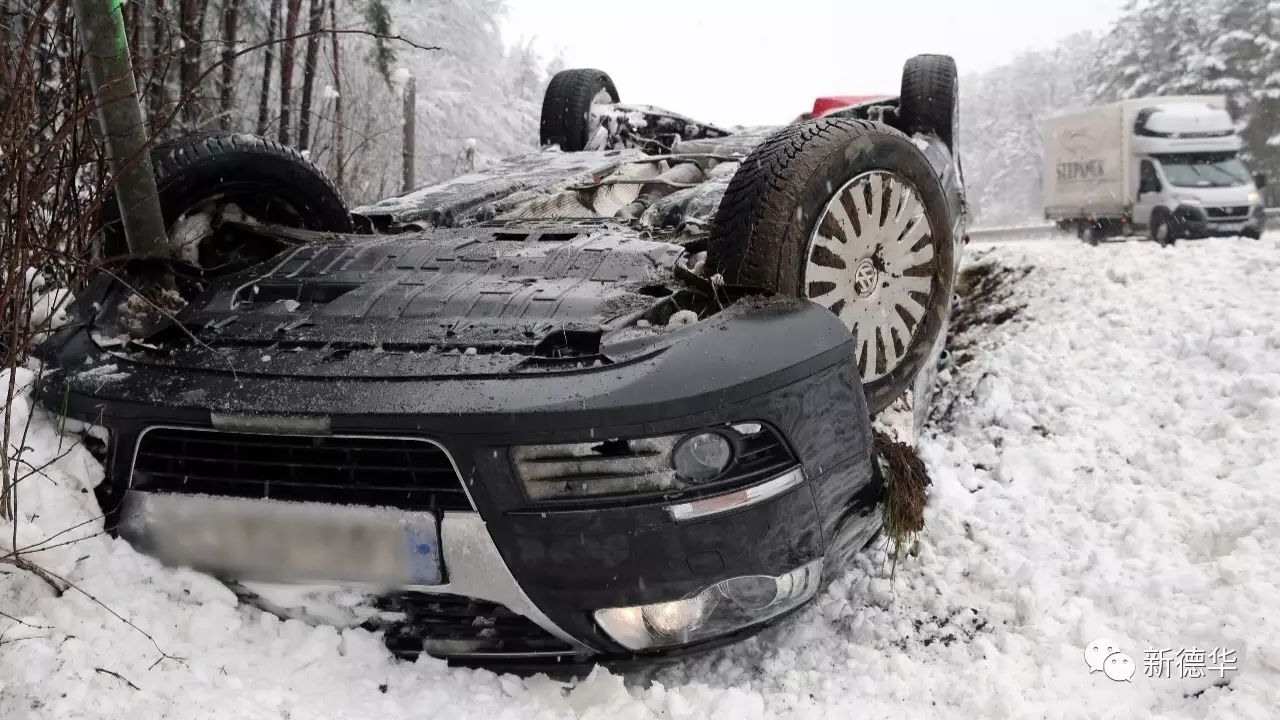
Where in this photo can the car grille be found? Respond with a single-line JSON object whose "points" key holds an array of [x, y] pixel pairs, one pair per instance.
{"points": [[403, 473], [454, 626], [1240, 211], [761, 456]]}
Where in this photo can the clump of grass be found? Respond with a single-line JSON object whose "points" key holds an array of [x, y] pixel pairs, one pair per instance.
{"points": [[906, 479]]}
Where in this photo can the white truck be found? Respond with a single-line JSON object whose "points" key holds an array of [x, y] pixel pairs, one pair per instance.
{"points": [[1167, 167]]}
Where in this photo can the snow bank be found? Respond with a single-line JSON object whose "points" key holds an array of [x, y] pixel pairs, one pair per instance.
{"points": [[1108, 470]]}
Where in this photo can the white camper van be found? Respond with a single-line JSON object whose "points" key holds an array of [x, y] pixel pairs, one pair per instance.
{"points": [[1166, 167]]}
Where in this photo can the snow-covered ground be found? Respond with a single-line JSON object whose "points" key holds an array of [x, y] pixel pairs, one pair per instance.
{"points": [[1105, 466]]}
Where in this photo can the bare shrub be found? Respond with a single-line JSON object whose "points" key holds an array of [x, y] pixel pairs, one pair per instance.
{"points": [[52, 182]]}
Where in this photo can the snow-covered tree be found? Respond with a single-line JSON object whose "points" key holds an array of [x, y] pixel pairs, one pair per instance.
{"points": [[1155, 47], [280, 75], [1002, 111], [471, 89], [1227, 47]]}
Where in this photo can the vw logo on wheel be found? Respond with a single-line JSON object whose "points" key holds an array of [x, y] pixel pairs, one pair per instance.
{"points": [[864, 278]]}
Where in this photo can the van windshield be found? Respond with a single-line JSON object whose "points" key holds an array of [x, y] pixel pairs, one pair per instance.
{"points": [[1204, 169]]}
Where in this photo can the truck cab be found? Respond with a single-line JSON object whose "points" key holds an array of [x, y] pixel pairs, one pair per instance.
{"points": [[1191, 181]]}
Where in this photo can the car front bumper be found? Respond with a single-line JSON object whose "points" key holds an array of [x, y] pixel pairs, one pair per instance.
{"points": [[552, 565]]}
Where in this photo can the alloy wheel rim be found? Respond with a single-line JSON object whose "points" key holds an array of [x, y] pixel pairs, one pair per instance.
{"points": [[870, 261]]}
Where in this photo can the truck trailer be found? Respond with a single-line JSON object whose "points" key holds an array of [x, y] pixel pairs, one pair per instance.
{"points": [[1165, 167]]}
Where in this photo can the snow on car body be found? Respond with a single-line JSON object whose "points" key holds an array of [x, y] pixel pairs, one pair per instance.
{"points": [[531, 414]]}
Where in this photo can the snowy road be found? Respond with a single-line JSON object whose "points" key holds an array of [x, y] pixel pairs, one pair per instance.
{"points": [[1105, 462]]}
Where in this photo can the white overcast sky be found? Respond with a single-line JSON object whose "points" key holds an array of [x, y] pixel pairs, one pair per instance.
{"points": [[764, 61]]}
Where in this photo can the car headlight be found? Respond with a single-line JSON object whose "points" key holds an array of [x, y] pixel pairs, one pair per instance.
{"points": [[1255, 198], [1189, 200], [721, 609], [638, 466]]}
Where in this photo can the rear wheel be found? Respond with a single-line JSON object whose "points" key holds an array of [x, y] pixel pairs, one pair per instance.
{"points": [[850, 215], [1090, 234], [211, 177], [930, 99], [566, 106]]}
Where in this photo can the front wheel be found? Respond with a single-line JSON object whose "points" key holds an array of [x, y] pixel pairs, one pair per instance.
{"points": [[1162, 230], [207, 178], [850, 215]]}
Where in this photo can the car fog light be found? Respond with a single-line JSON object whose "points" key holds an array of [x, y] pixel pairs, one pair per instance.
{"points": [[618, 469], [625, 625], [702, 456], [635, 627], [720, 609], [680, 616]]}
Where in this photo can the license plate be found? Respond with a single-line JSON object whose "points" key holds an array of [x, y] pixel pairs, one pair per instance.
{"points": [[276, 541]]}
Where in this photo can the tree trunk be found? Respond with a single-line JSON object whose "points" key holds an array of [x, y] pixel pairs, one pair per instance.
{"points": [[337, 100], [286, 66], [408, 150], [132, 20], [269, 54], [309, 72], [191, 25], [159, 62], [135, 20], [230, 23]]}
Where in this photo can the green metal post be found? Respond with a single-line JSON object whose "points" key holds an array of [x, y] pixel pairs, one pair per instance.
{"points": [[101, 24]]}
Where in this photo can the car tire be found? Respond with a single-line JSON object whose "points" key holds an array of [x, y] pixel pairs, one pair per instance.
{"points": [[1089, 234], [1162, 230], [930, 98], [566, 107], [268, 181], [778, 227]]}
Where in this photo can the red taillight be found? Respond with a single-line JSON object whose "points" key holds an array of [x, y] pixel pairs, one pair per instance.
{"points": [[824, 105]]}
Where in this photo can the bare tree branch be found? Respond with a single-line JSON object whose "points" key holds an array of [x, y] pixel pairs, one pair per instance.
{"points": [[117, 676]]}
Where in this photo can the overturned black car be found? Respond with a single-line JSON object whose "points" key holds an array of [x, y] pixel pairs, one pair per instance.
{"points": [[604, 403]]}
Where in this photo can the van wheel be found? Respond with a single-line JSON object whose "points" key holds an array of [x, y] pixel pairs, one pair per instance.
{"points": [[1162, 230], [850, 215], [1089, 234]]}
